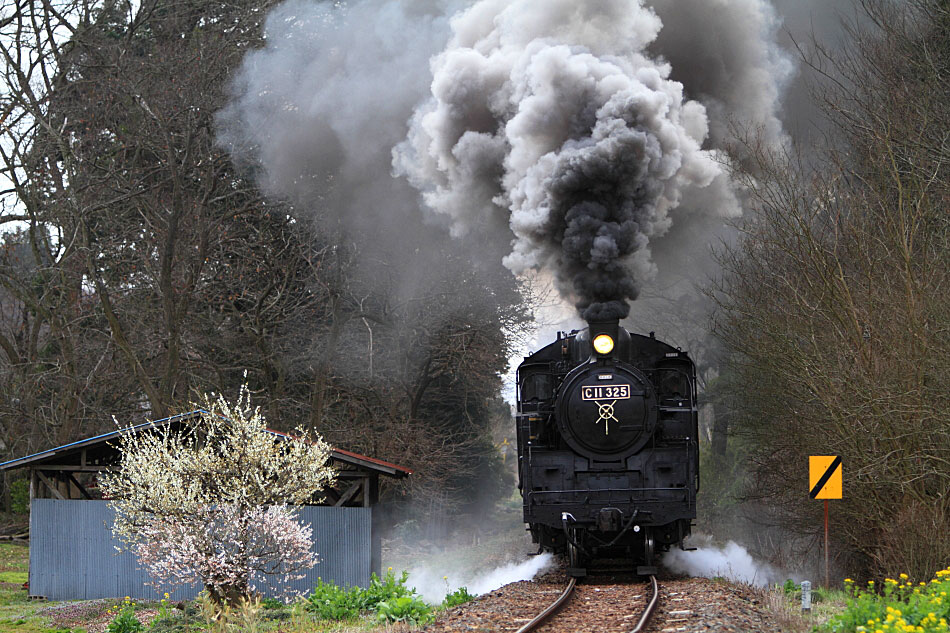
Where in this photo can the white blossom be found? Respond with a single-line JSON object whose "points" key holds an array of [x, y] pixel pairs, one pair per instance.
{"points": [[209, 503]]}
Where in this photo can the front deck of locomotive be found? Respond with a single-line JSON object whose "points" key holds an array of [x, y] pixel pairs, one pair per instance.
{"points": [[607, 445]]}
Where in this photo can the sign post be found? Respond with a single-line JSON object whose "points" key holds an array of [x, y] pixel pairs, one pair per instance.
{"points": [[825, 481]]}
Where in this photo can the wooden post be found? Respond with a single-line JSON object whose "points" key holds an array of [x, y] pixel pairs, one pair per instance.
{"points": [[372, 500], [827, 573], [7, 498]]}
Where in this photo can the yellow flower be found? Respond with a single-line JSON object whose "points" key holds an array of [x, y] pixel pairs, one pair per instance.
{"points": [[848, 580], [903, 576]]}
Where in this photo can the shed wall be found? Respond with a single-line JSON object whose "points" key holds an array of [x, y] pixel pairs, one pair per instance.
{"points": [[73, 554]]}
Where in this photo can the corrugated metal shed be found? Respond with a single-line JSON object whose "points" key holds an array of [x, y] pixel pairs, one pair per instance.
{"points": [[73, 554]]}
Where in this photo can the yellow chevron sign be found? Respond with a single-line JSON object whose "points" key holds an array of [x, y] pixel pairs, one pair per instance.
{"points": [[825, 478]]}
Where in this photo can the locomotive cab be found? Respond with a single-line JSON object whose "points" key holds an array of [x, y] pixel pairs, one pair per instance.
{"points": [[607, 446]]}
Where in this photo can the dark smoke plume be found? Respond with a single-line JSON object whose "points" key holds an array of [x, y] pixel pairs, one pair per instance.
{"points": [[589, 134], [558, 120]]}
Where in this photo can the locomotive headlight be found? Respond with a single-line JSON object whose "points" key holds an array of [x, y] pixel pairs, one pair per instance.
{"points": [[603, 344]]}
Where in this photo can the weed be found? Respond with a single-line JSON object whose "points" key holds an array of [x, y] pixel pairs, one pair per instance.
{"points": [[405, 609], [272, 603], [793, 592], [388, 589], [457, 597], [331, 602], [125, 620]]}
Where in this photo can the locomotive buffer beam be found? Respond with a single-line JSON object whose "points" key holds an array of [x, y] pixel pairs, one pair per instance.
{"points": [[609, 519]]}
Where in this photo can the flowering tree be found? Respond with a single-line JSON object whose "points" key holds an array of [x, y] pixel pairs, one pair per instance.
{"points": [[210, 503]]}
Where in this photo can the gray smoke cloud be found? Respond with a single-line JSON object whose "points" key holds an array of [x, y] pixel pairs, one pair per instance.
{"points": [[589, 139], [563, 122], [314, 115]]}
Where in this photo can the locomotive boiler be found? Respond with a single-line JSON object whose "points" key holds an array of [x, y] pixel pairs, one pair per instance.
{"points": [[608, 453]]}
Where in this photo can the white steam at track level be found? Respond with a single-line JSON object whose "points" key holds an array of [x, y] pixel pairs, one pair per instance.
{"points": [[731, 561], [555, 119], [433, 585]]}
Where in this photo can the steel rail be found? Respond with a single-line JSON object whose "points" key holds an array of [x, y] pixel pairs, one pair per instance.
{"points": [[649, 610], [554, 606]]}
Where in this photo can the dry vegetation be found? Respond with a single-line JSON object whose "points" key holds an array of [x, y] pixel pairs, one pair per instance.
{"points": [[835, 306]]}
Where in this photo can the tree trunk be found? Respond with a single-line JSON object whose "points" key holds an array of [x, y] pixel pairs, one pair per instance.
{"points": [[322, 370]]}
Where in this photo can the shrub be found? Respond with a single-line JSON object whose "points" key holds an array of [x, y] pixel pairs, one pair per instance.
{"points": [[406, 609], [897, 606], [388, 589], [457, 597], [389, 597], [20, 496], [331, 602]]}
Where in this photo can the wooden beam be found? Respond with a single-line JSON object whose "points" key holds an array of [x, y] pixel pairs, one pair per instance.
{"points": [[332, 495], [49, 485], [73, 468], [349, 494], [82, 489]]}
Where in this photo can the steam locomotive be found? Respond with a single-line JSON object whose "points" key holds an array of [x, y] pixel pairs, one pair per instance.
{"points": [[608, 452]]}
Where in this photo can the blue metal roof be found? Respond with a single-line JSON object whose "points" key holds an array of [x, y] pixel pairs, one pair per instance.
{"points": [[20, 461], [337, 454]]}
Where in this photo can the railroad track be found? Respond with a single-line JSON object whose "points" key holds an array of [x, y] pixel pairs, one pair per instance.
{"points": [[566, 595]]}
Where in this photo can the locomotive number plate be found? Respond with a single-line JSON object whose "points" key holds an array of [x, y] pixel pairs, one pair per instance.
{"points": [[605, 392]]}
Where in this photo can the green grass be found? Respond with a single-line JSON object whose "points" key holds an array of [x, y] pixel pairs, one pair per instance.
{"points": [[21, 615], [785, 600], [14, 557], [18, 577], [17, 613]]}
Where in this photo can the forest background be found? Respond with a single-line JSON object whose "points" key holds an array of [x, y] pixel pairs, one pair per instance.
{"points": [[139, 267]]}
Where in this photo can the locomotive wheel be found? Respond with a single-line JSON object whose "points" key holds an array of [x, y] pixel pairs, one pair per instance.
{"points": [[649, 547], [575, 558]]}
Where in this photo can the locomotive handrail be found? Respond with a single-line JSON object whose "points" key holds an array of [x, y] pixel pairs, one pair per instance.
{"points": [[587, 493]]}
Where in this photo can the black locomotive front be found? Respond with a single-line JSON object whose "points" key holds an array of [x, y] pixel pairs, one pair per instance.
{"points": [[607, 445]]}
